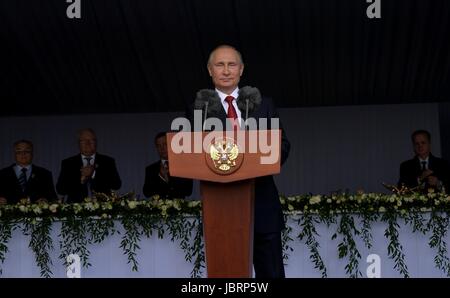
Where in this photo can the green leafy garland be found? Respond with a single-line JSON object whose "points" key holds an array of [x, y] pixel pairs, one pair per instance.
{"points": [[40, 242], [439, 225], [309, 232], [91, 222], [6, 228]]}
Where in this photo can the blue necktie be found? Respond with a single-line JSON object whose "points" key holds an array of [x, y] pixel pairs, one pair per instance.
{"points": [[23, 179], [88, 181]]}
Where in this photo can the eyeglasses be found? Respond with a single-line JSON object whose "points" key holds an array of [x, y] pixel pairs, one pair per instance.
{"points": [[88, 142], [24, 152]]}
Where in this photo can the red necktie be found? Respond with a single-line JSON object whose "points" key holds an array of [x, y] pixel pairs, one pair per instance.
{"points": [[232, 111]]}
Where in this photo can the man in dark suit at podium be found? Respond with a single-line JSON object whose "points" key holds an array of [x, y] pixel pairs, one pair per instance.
{"points": [[87, 172], [157, 176], [225, 66], [24, 179], [424, 171]]}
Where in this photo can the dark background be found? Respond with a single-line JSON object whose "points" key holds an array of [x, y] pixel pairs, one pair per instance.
{"points": [[139, 56], [150, 55]]}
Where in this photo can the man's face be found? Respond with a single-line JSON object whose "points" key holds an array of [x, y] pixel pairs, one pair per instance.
{"points": [[422, 146], [225, 69], [161, 147], [87, 143], [23, 154]]}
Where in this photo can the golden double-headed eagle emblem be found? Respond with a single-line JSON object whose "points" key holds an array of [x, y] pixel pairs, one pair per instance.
{"points": [[224, 153]]}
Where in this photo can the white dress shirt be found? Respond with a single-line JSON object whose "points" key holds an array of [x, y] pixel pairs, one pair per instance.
{"points": [[235, 94], [18, 171]]}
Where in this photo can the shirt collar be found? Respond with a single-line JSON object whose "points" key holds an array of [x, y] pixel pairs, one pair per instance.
{"points": [[222, 95], [18, 167], [84, 156], [426, 159]]}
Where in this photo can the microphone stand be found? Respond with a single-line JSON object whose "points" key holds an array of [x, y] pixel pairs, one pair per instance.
{"points": [[206, 115], [246, 113]]}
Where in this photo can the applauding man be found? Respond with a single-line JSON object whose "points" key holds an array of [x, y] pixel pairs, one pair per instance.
{"points": [[87, 172], [157, 176], [424, 171]]}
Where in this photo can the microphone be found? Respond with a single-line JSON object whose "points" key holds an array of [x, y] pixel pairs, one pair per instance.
{"points": [[246, 112], [206, 115], [208, 101], [251, 103]]}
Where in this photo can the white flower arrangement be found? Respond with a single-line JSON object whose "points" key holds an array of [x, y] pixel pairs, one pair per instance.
{"points": [[104, 205]]}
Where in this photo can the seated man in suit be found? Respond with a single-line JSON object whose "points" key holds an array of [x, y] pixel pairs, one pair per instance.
{"points": [[424, 171], [157, 177], [24, 179], [88, 171]]}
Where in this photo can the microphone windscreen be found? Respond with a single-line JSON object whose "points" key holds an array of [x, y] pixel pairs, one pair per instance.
{"points": [[253, 96]]}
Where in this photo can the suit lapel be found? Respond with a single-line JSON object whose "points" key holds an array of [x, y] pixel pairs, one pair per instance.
{"points": [[15, 180], [417, 166], [31, 178], [432, 163], [222, 115], [96, 160], [80, 161]]}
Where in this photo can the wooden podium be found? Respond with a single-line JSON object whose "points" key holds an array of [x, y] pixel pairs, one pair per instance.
{"points": [[227, 194]]}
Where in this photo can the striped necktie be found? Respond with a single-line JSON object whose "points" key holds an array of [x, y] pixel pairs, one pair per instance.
{"points": [[88, 181], [23, 179]]}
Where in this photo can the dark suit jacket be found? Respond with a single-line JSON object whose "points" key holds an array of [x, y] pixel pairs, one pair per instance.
{"points": [[106, 177], [176, 188], [39, 185], [411, 169], [268, 213]]}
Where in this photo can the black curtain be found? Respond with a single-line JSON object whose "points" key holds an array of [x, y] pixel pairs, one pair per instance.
{"points": [[150, 55]]}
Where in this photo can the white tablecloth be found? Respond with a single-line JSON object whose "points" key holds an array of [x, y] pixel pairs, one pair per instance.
{"points": [[163, 258]]}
